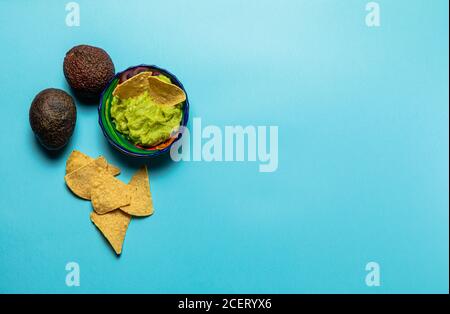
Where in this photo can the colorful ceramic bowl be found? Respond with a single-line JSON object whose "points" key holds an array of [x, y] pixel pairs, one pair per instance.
{"points": [[120, 141]]}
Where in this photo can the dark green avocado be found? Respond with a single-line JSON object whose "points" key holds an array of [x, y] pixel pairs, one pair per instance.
{"points": [[88, 70], [52, 117]]}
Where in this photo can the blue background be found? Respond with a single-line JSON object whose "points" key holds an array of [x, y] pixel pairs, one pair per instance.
{"points": [[363, 148]]}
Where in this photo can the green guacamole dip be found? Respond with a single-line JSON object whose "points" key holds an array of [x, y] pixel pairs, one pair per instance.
{"points": [[144, 122]]}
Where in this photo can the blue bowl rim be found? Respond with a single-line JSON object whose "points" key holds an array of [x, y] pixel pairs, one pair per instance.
{"points": [[183, 122]]}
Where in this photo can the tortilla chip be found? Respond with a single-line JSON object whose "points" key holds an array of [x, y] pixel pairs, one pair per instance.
{"points": [[82, 180], [166, 94], [113, 226], [162, 93], [133, 86], [109, 193], [141, 199], [77, 160]]}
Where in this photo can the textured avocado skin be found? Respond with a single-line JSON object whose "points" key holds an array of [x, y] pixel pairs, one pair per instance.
{"points": [[88, 70], [52, 117]]}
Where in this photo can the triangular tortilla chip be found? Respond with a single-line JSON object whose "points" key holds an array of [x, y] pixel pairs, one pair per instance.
{"points": [[160, 92], [165, 94], [114, 170], [109, 194], [82, 180], [114, 227], [141, 203], [77, 160], [133, 87]]}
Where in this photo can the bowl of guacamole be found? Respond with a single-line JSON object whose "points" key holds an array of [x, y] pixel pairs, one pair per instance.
{"points": [[142, 109]]}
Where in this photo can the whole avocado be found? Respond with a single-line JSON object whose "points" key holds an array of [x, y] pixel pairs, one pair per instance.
{"points": [[52, 117], [88, 70]]}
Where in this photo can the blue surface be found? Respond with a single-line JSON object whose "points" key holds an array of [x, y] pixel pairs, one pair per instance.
{"points": [[363, 148]]}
